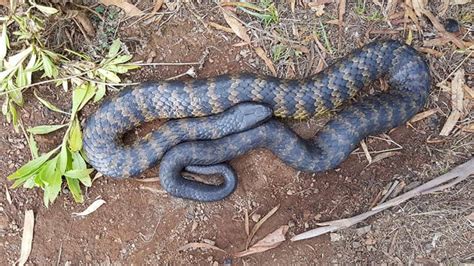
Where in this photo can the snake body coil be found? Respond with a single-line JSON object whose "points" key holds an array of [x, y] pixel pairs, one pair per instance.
{"points": [[406, 72]]}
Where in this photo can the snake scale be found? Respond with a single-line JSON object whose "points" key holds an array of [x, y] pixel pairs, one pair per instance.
{"points": [[242, 104]]}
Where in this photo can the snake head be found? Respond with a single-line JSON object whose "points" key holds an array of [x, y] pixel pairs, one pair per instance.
{"points": [[252, 114]]}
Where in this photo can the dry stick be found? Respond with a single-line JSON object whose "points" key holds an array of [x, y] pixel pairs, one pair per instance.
{"points": [[459, 174]]}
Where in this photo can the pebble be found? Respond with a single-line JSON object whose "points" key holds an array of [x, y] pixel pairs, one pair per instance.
{"points": [[291, 223], [256, 217], [335, 237]]}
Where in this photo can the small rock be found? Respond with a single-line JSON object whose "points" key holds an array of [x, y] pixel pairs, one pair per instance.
{"points": [[335, 237], [356, 244], [290, 192], [317, 217], [256, 217], [363, 230], [291, 223]]}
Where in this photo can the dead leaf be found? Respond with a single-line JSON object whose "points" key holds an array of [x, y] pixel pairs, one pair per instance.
{"points": [[27, 237], [457, 97], [450, 123], [92, 208], [81, 18], [457, 92], [257, 225], [423, 115], [469, 91], [129, 9], [366, 151], [272, 240], [430, 51], [292, 5], [220, 27], [157, 6], [196, 245], [470, 217], [7, 194], [342, 11], [384, 155], [468, 128], [261, 53], [236, 26], [443, 7], [5, 3], [419, 7]]}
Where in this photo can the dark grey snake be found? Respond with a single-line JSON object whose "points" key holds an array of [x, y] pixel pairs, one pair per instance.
{"points": [[237, 131]]}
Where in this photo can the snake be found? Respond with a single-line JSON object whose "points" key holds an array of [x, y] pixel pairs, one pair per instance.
{"points": [[213, 120]]}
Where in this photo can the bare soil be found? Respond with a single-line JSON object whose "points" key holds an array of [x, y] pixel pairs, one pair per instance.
{"points": [[141, 224]]}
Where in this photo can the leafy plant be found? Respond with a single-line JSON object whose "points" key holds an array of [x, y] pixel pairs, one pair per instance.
{"points": [[85, 79]]}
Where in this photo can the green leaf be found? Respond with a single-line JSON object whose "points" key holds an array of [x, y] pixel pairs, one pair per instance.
{"points": [[101, 90], [30, 68], [77, 161], [114, 48], [44, 129], [46, 171], [78, 173], [30, 183], [15, 94], [33, 146], [48, 65], [78, 95], [46, 9], [21, 77], [109, 75], [15, 60], [75, 189], [31, 167], [48, 105], [91, 89], [63, 160], [51, 191], [14, 115], [130, 66], [120, 59], [82, 175], [22, 180], [75, 136], [116, 69]]}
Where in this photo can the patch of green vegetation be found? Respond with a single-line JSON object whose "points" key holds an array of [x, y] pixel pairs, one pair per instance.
{"points": [[266, 11], [322, 34], [22, 54], [281, 52], [361, 10]]}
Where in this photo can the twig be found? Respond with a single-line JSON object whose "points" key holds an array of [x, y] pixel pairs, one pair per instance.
{"points": [[456, 175]]}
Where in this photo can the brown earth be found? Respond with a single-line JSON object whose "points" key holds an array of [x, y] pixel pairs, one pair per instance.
{"points": [[141, 224]]}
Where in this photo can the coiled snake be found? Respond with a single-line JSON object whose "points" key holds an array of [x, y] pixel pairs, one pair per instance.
{"points": [[250, 99]]}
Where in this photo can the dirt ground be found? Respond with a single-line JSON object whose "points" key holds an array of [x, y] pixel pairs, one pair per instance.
{"points": [[140, 224]]}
